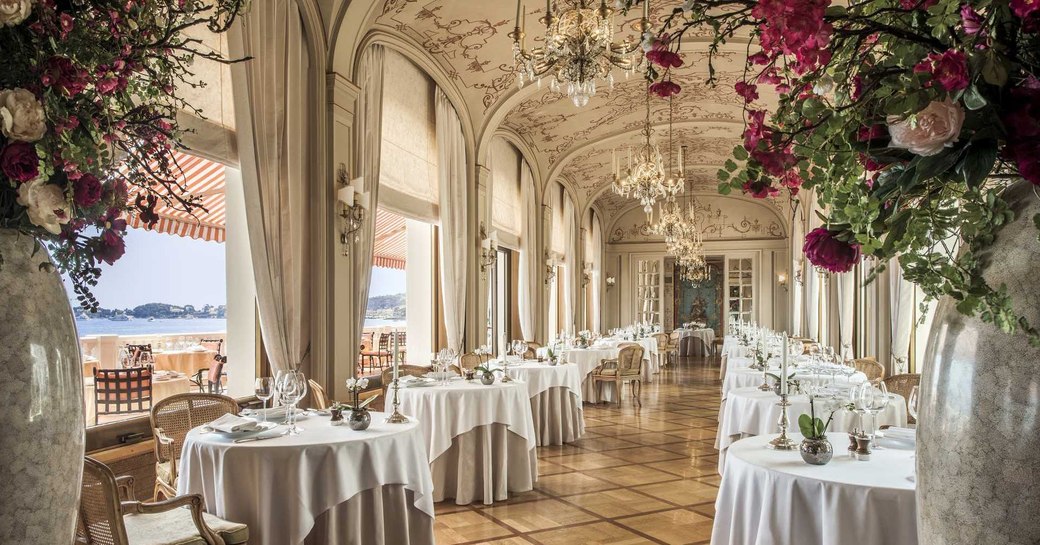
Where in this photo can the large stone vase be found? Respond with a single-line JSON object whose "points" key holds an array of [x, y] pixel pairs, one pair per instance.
{"points": [[41, 400], [978, 464]]}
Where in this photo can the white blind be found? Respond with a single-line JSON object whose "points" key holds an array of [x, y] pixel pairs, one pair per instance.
{"points": [[505, 192], [409, 151]]}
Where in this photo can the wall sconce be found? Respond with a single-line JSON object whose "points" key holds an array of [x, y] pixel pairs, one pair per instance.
{"points": [[586, 275], [550, 269], [353, 203], [781, 278], [798, 275], [611, 281], [488, 251]]}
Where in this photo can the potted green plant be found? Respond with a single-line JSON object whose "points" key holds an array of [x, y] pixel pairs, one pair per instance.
{"points": [[487, 374]]}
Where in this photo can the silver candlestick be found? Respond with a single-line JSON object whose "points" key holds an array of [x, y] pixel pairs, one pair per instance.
{"points": [[782, 442], [396, 417]]}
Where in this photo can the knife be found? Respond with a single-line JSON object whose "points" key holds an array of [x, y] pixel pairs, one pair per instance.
{"points": [[260, 437]]}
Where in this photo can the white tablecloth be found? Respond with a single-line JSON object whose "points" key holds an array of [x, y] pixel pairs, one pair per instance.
{"points": [[556, 399], [750, 411], [280, 487], [651, 353], [588, 359], [696, 342], [464, 418], [747, 378], [769, 497]]}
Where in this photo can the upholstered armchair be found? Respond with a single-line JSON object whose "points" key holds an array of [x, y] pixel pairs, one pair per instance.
{"points": [[666, 347], [532, 350], [109, 514], [172, 419], [628, 367], [903, 385], [872, 368]]}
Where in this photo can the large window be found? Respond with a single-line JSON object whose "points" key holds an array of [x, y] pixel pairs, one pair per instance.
{"points": [[168, 308]]}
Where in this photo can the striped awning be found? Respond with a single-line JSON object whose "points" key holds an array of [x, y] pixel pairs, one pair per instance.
{"points": [[391, 242], [203, 179]]}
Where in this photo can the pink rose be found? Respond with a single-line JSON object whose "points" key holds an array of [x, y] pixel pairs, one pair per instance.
{"points": [[829, 253], [949, 69], [929, 131], [760, 189], [1025, 8], [19, 162], [62, 74], [665, 89]]}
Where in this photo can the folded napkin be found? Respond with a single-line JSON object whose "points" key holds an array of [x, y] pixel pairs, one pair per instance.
{"points": [[901, 433], [273, 412], [230, 423]]}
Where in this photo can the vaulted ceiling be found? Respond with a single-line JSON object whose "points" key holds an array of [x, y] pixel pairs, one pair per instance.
{"points": [[469, 40]]}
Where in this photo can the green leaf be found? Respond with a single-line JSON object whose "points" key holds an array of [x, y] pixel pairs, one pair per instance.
{"points": [[740, 153], [994, 71], [723, 175], [805, 425], [973, 99], [978, 162], [730, 165]]}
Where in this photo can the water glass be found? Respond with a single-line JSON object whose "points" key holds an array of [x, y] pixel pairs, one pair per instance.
{"points": [[911, 402], [264, 389]]}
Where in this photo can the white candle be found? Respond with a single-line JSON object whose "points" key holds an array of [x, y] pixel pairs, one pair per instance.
{"points": [[396, 366], [783, 369]]}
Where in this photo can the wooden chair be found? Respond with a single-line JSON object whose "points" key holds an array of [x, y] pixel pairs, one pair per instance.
{"points": [[110, 515], [122, 391], [380, 357], [318, 396], [172, 418], [402, 344], [903, 385], [671, 348], [663, 348], [628, 367], [139, 355], [872, 368]]}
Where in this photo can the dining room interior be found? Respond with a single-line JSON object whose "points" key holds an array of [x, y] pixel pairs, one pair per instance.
{"points": [[506, 272]]}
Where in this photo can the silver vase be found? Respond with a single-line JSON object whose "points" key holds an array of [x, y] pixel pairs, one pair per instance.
{"points": [[816, 451], [978, 461], [41, 400]]}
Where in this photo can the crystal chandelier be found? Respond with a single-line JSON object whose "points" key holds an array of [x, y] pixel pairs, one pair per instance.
{"points": [[579, 48], [687, 244], [669, 221], [644, 177]]}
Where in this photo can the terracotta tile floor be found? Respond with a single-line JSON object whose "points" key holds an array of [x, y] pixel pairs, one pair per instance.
{"points": [[640, 475]]}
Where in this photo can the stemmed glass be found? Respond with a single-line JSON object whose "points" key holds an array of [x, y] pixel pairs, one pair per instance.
{"points": [[264, 389], [292, 388], [911, 402], [874, 400]]}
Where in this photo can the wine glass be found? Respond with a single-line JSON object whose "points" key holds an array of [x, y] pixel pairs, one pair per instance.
{"points": [[292, 389], [264, 389], [911, 402], [875, 400]]}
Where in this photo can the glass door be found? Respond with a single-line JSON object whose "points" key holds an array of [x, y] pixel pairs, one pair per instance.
{"points": [[741, 285]]}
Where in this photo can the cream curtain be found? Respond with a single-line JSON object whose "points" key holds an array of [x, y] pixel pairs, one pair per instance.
{"points": [[368, 129], [451, 173], [273, 146], [901, 293], [573, 268], [596, 257], [530, 257]]}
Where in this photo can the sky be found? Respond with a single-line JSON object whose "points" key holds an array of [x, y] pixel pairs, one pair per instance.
{"points": [[162, 268], [386, 282]]}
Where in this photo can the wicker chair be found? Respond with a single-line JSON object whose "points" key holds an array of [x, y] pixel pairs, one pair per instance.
{"points": [[628, 367], [532, 350], [109, 515], [318, 396], [903, 385], [868, 366], [469, 361], [387, 378], [172, 419]]}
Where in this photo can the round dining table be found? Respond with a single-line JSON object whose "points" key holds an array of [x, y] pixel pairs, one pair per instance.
{"points": [[587, 360], [770, 497], [747, 378], [555, 394], [328, 485], [695, 342], [750, 412], [480, 440]]}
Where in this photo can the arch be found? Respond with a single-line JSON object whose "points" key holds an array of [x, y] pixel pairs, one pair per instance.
{"points": [[767, 208]]}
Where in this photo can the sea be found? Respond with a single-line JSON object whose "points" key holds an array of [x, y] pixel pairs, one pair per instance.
{"points": [[177, 326]]}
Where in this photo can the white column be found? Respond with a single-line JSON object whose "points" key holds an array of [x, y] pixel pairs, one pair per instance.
{"points": [[419, 281], [241, 291]]}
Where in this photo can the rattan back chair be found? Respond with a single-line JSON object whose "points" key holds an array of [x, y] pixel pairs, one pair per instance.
{"points": [[318, 396], [627, 367], [110, 515], [903, 385], [387, 378], [122, 391], [872, 368], [172, 419], [470, 361], [532, 350]]}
